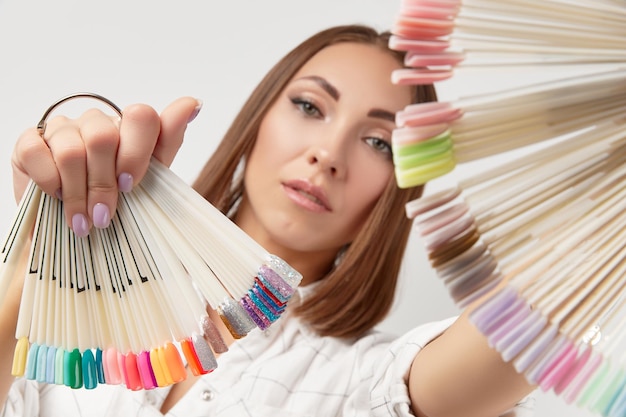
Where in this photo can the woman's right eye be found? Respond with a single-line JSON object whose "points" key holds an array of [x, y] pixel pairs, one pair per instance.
{"points": [[307, 107]]}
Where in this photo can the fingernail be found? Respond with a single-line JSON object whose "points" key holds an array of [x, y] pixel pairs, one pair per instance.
{"points": [[58, 194], [80, 225], [101, 216], [195, 111], [125, 182]]}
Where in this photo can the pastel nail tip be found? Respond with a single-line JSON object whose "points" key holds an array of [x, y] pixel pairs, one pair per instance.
{"points": [[425, 204], [577, 385], [31, 362], [618, 406], [42, 357], [405, 44], [410, 76], [555, 347], [576, 369], [406, 178], [509, 325], [59, 367], [112, 365], [442, 218], [516, 345], [540, 345], [405, 136], [494, 306], [560, 365], [20, 357], [50, 365], [486, 321]]}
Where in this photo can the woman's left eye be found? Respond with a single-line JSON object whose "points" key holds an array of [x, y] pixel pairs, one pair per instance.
{"points": [[307, 107], [379, 144]]}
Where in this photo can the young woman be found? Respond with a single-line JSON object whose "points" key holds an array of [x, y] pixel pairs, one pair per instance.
{"points": [[317, 190]]}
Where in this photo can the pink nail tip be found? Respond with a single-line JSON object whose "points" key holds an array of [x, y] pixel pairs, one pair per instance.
{"points": [[415, 60]]}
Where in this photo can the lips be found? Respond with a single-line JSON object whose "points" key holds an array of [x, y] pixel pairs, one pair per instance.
{"points": [[307, 195]]}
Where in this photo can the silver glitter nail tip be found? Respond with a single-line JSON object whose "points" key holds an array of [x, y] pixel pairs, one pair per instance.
{"points": [[204, 353], [237, 316], [212, 335], [282, 268]]}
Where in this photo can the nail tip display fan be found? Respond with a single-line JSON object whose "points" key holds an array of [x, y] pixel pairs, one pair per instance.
{"points": [[548, 226], [126, 304]]}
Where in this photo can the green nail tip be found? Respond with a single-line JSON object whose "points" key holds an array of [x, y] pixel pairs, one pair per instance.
{"points": [[90, 377], [434, 144], [59, 367], [73, 372]]}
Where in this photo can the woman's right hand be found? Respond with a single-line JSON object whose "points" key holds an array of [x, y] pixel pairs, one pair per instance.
{"points": [[87, 161]]}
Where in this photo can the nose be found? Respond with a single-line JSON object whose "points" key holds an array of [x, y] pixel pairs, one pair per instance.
{"points": [[328, 159]]}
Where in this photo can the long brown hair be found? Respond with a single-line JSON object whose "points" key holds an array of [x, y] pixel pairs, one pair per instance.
{"points": [[358, 293]]}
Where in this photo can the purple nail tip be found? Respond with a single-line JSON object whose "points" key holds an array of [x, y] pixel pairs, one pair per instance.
{"points": [[276, 282], [545, 359], [522, 336], [284, 270], [510, 325], [257, 315], [251, 314], [494, 307], [538, 347]]}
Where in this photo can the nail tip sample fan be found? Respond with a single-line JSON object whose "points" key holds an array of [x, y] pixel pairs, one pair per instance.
{"points": [[127, 303], [548, 225]]}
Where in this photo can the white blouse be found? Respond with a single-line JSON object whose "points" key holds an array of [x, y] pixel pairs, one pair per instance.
{"points": [[285, 371]]}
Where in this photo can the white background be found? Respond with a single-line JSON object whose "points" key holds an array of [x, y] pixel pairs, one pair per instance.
{"points": [[154, 51]]}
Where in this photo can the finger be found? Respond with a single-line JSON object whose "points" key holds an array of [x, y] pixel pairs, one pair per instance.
{"points": [[101, 136], [68, 152], [174, 121], [139, 132], [32, 158]]}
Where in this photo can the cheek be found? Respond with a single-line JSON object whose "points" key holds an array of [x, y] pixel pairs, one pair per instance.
{"points": [[276, 142], [368, 184]]}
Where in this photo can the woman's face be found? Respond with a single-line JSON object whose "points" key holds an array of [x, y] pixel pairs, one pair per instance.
{"points": [[322, 156]]}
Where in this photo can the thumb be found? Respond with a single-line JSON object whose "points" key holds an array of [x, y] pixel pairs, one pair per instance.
{"points": [[174, 120]]}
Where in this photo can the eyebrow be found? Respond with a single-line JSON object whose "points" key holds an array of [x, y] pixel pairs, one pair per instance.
{"points": [[334, 93], [328, 87], [382, 114]]}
